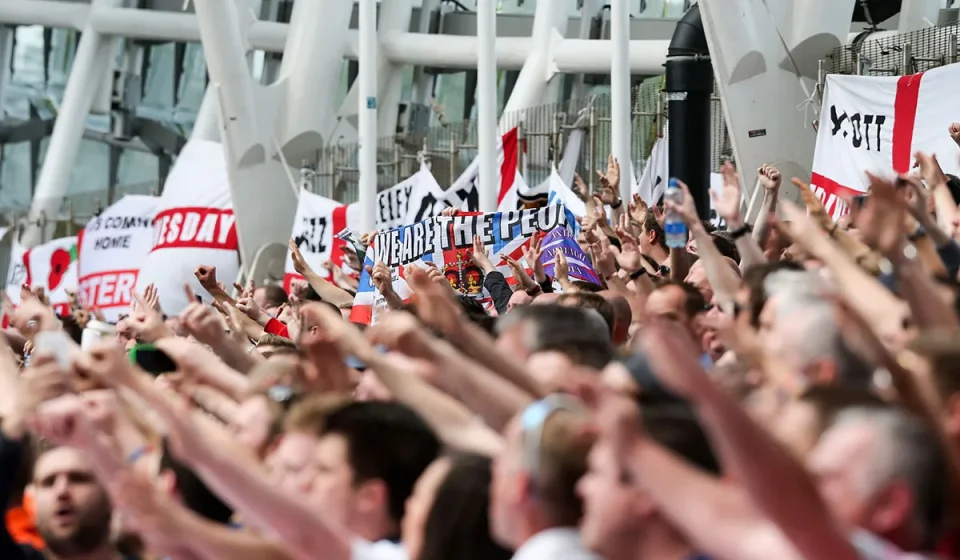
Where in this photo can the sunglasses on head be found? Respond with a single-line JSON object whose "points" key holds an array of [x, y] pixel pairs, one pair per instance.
{"points": [[532, 421]]}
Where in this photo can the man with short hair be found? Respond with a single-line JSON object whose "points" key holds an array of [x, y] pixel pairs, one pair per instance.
{"points": [[72, 508], [621, 522], [269, 299], [580, 334], [883, 470], [653, 242], [677, 302], [534, 507]]}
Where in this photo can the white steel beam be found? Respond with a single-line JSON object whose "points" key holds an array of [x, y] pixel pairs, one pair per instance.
{"points": [[620, 109], [309, 72], [571, 56], [93, 60], [537, 71], [486, 62], [226, 57], [367, 114]]}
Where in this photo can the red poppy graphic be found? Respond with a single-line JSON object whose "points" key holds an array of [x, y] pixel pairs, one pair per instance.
{"points": [[59, 263]]}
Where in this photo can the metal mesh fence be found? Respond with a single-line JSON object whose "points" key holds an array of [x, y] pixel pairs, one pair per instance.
{"points": [[449, 148], [896, 55]]}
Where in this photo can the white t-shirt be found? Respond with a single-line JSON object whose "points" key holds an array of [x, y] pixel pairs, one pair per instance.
{"points": [[554, 544], [380, 550]]}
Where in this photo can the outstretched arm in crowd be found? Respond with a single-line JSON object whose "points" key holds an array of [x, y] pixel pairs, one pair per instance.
{"points": [[326, 290], [769, 179], [724, 281], [778, 484], [728, 207], [399, 331], [866, 294], [718, 518]]}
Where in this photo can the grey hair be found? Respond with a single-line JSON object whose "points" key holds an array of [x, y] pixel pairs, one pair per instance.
{"points": [[908, 451], [800, 298], [799, 282]]}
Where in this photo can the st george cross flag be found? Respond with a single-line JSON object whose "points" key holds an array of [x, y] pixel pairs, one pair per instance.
{"points": [[876, 124], [447, 242], [510, 178]]}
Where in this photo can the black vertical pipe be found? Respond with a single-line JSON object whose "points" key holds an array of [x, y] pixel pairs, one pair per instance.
{"points": [[689, 87]]}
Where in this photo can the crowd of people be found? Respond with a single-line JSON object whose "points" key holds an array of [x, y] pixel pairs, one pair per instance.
{"points": [[788, 389]]}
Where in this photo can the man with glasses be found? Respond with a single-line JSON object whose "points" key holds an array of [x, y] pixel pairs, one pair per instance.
{"points": [[534, 507]]}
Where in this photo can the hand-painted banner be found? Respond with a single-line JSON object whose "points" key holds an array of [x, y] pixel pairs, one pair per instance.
{"points": [[414, 197], [871, 123], [447, 242], [316, 227], [53, 267], [112, 248]]}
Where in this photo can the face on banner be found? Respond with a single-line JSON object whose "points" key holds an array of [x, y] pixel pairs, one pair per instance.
{"points": [[447, 242], [113, 246]]}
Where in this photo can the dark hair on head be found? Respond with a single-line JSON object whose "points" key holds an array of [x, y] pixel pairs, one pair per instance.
{"points": [[590, 300], [650, 223], [470, 305], [708, 226], [830, 400], [193, 492], [311, 294], [584, 286], [386, 441], [953, 185], [274, 296], [458, 525], [72, 327], [754, 277], [675, 426], [726, 245], [693, 301]]}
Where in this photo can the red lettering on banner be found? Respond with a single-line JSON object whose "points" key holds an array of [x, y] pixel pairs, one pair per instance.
{"points": [[195, 228], [107, 289], [831, 195]]}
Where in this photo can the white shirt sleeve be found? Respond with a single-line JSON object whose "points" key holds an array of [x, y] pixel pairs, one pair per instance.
{"points": [[380, 550]]}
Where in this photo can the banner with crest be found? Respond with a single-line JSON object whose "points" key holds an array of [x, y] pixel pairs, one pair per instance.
{"points": [[447, 243]]}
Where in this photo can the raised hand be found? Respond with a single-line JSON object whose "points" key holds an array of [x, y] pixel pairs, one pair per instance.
{"points": [[687, 210], [727, 203], [479, 256], [954, 131], [299, 263], [207, 276], [610, 182], [769, 177], [533, 255]]}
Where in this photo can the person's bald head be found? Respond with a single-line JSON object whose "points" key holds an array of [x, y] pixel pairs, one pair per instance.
{"points": [[622, 316]]}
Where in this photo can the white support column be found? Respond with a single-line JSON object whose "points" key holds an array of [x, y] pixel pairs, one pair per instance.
{"points": [[538, 70], [226, 54], [312, 67], [6, 56], [91, 63], [487, 103], [367, 113], [620, 110]]}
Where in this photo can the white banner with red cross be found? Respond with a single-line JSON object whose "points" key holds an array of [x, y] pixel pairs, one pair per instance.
{"points": [[877, 124]]}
